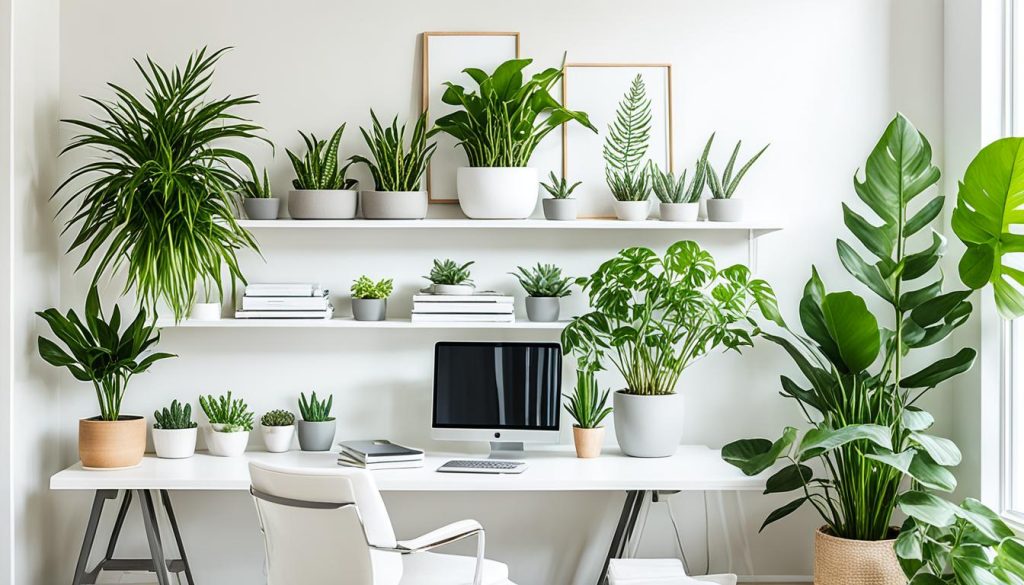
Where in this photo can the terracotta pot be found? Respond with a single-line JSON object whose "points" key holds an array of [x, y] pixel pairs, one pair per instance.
{"points": [[111, 444], [588, 441], [841, 561]]}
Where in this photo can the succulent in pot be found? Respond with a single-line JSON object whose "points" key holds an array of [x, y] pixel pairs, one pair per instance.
{"points": [[680, 201], [499, 126], [625, 152], [545, 286], [278, 428], [230, 423], [722, 206], [322, 190], [370, 299], [652, 316], [174, 431], [317, 427], [100, 353], [258, 199], [560, 206], [588, 407], [397, 172], [447, 277]]}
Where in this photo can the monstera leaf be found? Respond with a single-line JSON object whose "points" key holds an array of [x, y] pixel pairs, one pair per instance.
{"points": [[989, 208]]}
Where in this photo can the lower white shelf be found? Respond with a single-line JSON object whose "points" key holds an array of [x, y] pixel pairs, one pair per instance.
{"points": [[349, 323]]}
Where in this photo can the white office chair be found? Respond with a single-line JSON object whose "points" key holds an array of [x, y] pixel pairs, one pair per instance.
{"points": [[331, 526]]}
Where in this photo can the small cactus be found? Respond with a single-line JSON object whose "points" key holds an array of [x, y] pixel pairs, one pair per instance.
{"points": [[175, 417], [225, 410], [315, 410], [277, 418]]}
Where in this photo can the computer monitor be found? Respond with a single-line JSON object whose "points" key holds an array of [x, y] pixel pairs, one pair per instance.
{"points": [[504, 393]]}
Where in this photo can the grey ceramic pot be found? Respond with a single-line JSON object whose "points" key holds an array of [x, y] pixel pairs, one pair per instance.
{"points": [[559, 209], [261, 208], [542, 309], [310, 204], [316, 436], [725, 210], [369, 309], [648, 426], [679, 211], [393, 204]]}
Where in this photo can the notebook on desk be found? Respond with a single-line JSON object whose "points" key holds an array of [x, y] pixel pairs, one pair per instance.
{"points": [[379, 451]]}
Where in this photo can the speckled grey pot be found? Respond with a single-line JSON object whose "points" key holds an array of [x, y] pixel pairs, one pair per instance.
{"points": [[559, 209], [261, 208], [324, 204], [369, 309], [543, 309], [316, 436]]}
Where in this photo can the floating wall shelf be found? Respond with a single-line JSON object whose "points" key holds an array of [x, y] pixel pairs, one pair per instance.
{"points": [[348, 323]]}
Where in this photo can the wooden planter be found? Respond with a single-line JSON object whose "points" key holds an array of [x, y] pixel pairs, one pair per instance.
{"points": [[841, 561], [110, 444]]}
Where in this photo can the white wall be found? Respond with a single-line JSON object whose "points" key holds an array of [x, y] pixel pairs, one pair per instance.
{"points": [[819, 80]]}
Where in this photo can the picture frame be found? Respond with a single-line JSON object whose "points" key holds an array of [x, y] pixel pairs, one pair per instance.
{"points": [[445, 55], [582, 158]]}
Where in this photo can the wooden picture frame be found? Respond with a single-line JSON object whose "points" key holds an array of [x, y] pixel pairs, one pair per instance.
{"points": [[440, 179], [595, 200]]}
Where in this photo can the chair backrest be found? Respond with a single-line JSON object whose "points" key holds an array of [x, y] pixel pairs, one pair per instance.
{"points": [[318, 525]]}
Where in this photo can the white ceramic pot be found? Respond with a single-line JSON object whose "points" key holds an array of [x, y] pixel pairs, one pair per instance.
{"points": [[322, 204], [679, 211], [725, 210], [175, 443], [559, 209], [497, 192], [226, 444], [453, 289], [205, 312], [632, 210], [393, 204], [278, 439], [648, 426]]}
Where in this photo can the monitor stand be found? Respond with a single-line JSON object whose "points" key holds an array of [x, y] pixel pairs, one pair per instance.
{"points": [[506, 450]]}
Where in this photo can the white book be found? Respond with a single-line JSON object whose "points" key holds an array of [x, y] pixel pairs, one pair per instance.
{"points": [[325, 314], [284, 289], [480, 297], [347, 461], [318, 303], [499, 308], [462, 318]]}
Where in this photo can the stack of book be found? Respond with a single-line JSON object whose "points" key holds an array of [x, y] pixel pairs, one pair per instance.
{"points": [[285, 301], [378, 455], [482, 307]]}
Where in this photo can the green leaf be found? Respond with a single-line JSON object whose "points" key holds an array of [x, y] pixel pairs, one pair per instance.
{"points": [[1010, 556], [927, 508], [862, 271], [753, 456], [823, 439], [924, 216], [971, 571], [943, 451], [788, 478], [926, 579], [930, 474], [782, 512], [936, 309], [853, 328], [917, 420], [877, 239], [941, 370]]}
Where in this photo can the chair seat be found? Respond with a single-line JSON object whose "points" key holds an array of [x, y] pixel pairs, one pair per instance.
{"points": [[438, 569]]}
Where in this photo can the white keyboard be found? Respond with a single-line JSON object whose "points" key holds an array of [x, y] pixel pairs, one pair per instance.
{"points": [[482, 466]]}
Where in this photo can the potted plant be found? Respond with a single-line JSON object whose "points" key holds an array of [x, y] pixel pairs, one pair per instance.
{"points": [[561, 206], [316, 429], [278, 429], [396, 172], [625, 147], [680, 201], [651, 316], [161, 201], [450, 278], [862, 398], [230, 423], [100, 352], [174, 432], [722, 206], [544, 286], [258, 200], [587, 406], [499, 126], [208, 309], [322, 191], [370, 299]]}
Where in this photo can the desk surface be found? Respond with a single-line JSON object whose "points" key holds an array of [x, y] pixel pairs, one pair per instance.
{"points": [[693, 468]]}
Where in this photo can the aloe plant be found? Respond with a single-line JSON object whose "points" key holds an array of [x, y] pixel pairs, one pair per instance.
{"points": [[670, 190], [544, 280], [224, 410], [393, 167], [174, 417], [724, 186], [588, 403], [314, 409], [318, 169], [559, 187], [449, 272]]}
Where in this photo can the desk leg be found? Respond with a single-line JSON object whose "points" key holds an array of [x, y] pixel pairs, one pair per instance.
{"points": [[90, 533], [156, 545], [624, 530], [166, 498]]}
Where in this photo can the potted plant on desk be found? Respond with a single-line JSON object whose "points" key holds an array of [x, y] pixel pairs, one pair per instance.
{"points": [[722, 206], [322, 191], [370, 299], [587, 405], [396, 172], [545, 286], [174, 432], [278, 429], [100, 353], [560, 206], [450, 278], [651, 316], [317, 427], [230, 423]]}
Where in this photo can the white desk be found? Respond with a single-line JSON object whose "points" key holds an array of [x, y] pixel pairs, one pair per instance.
{"points": [[692, 468]]}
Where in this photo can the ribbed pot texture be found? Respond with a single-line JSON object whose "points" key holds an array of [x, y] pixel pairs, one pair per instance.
{"points": [[841, 561]]}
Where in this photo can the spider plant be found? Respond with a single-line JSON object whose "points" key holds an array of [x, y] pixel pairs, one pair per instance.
{"points": [[558, 187], [544, 280], [393, 168], [159, 201], [318, 170]]}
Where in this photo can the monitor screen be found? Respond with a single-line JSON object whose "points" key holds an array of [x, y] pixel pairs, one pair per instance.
{"points": [[497, 385]]}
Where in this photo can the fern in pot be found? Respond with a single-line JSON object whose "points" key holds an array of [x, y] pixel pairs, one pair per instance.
{"points": [[370, 299], [317, 427], [545, 286], [174, 431], [322, 189], [625, 152], [258, 200], [560, 206], [499, 126], [680, 200], [651, 317], [230, 423], [397, 170], [723, 206]]}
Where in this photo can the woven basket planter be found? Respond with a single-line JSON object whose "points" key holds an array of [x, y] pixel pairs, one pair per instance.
{"points": [[841, 561]]}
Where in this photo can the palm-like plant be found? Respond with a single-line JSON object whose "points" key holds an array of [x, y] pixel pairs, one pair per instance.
{"points": [[626, 144], [318, 169], [160, 201], [544, 280], [393, 167]]}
